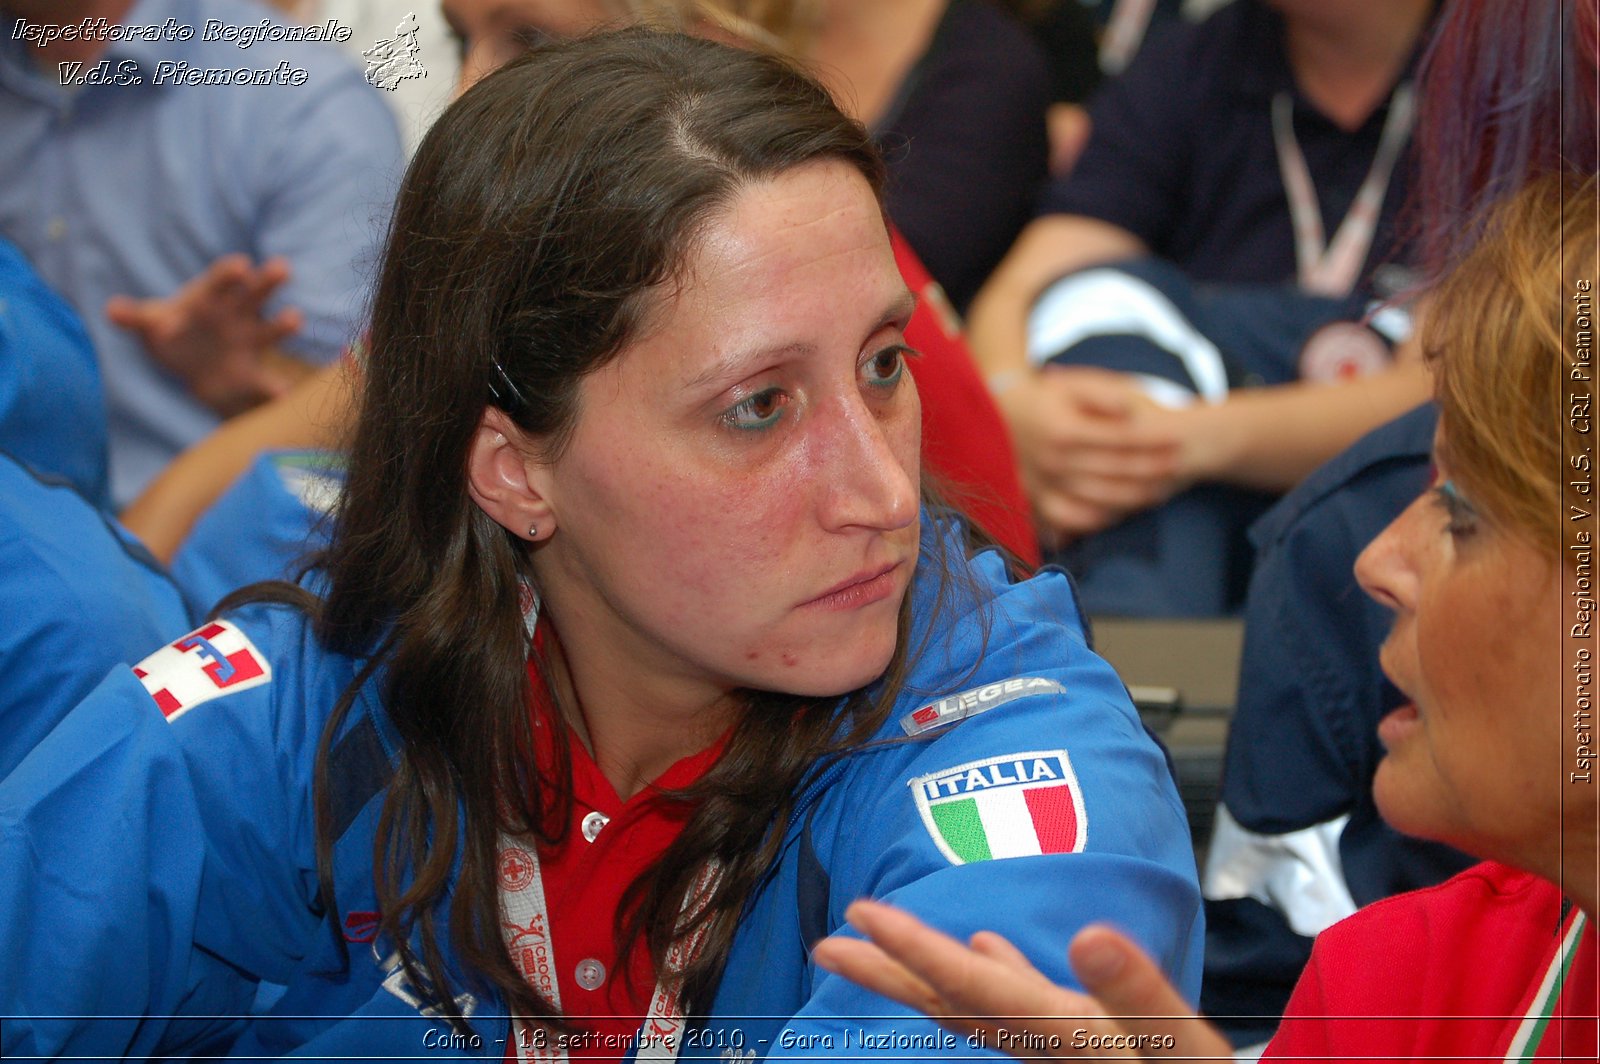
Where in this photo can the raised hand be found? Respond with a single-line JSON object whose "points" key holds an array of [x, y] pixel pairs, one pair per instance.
{"points": [[213, 335], [988, 988]]}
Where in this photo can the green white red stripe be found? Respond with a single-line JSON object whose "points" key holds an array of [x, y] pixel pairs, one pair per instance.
{"points": [[1525, 1043], [1015, 805]]}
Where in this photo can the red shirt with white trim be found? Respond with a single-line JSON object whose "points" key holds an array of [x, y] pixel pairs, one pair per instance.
{"points": [[609, 843], [1452, 971]]}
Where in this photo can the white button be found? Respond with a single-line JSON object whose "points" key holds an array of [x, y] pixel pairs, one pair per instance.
{"points": [[591, 973], [593, 823]]}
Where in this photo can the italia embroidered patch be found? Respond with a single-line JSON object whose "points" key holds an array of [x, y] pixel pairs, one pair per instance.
{"points": [[207, 663], [1015, 805], [966, 704]]}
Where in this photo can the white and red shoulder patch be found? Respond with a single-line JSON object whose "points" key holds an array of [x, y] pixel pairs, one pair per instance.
{"points": [[208, 663]]}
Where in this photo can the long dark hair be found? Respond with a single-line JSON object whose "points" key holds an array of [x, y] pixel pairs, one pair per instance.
{"points": [[541, 215]]}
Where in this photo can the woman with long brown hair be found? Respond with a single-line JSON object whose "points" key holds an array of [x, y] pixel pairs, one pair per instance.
{"points": [[636, 652]]}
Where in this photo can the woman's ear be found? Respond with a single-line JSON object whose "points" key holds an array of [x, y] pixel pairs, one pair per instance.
{"points": [[505, 481]]}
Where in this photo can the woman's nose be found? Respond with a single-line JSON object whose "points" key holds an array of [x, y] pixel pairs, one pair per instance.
{"points": [[1387, 570], [873, 479]]}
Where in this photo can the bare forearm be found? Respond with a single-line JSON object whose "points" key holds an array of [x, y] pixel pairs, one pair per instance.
{"points": [[313, 414], [1271, 438]]}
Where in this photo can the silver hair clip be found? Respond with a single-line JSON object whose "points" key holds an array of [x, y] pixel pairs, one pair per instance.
{"points": [[511, 386]]}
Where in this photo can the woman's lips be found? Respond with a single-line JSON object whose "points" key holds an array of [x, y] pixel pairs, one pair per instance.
{"points": [[863, 589], [1395, 727]]}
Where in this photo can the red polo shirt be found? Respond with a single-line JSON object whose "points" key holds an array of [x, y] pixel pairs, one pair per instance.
{"points": [[609, 843], [1451, 972]]}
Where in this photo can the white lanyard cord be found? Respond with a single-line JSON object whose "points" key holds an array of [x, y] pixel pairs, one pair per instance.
{"points": [[1332, 269], [525, 922], [1125, 31]]}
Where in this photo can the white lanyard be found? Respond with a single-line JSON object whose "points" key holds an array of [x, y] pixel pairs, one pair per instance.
{"points": [[1332, 269], [1125, 30], [525, 922], [1525, 1043]]}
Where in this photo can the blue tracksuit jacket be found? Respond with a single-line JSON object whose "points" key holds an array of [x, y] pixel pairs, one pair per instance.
{"points": [[159, 866], [78, 594]]}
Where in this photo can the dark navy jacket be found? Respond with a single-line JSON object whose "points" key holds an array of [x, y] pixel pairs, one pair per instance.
{"points": [[1299, 843]]}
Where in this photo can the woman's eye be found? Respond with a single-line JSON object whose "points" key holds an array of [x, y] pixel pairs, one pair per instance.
{"points": [[1462, 516], [884, 369], [761, 411]]}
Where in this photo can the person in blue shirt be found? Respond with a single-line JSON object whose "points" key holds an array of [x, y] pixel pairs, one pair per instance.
{"points": [[52, 408], [79, 596], [152, 204], [638, 654]]}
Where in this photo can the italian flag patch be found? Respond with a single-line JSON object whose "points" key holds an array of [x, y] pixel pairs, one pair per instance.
{"points": [[1015, 805]]}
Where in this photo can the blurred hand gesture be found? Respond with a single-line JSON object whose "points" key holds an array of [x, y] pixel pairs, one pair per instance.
{"points": [[989, 986], [212, 334]]}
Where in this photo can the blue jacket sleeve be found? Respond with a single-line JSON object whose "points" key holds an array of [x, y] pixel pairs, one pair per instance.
{"points": [[264, 527], [159, 859], [1047, 808], [52, 404], [76, 599]]}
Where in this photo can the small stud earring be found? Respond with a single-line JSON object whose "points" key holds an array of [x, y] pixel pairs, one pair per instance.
{"points": [[533, 531]]}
